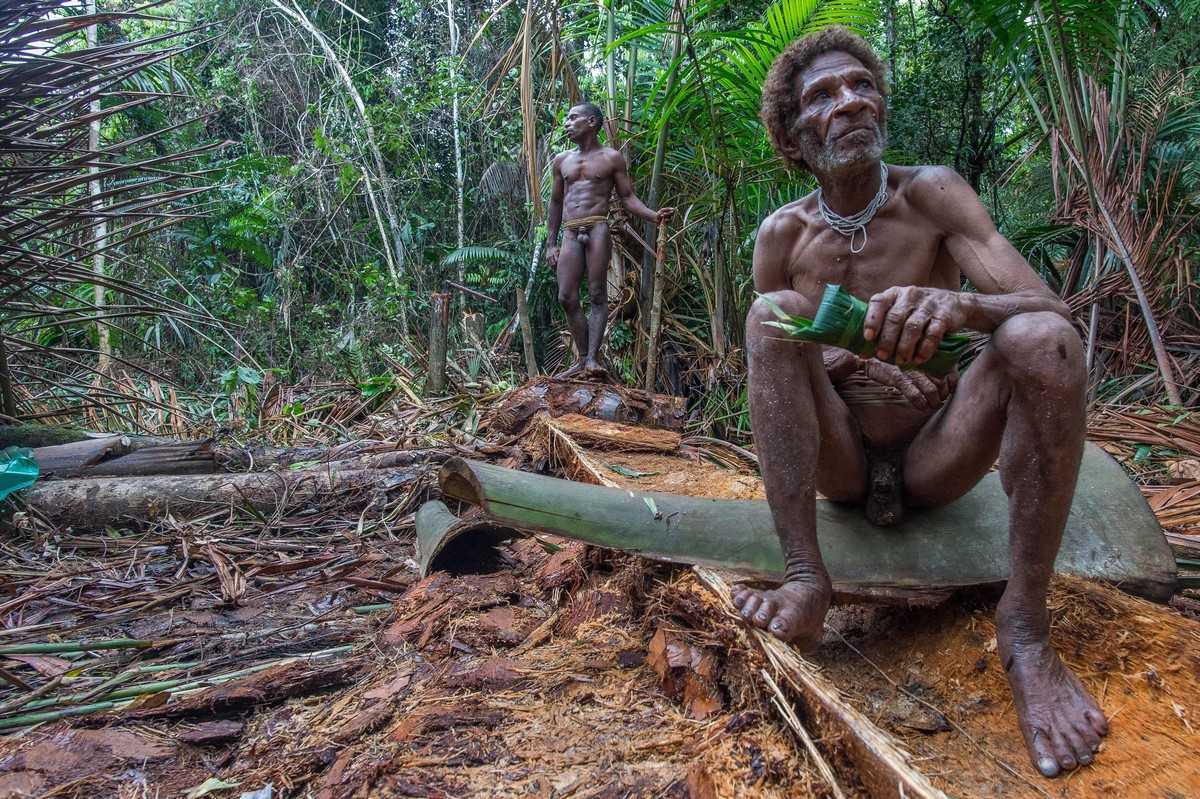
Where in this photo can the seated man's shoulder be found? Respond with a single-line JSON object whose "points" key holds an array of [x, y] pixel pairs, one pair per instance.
{"points": [[788, 221], [938, 189], [933, 177]]}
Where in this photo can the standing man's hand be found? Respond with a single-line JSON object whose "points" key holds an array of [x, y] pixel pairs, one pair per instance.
{"points": [[552, 256], [664, 215], [908, 322]]}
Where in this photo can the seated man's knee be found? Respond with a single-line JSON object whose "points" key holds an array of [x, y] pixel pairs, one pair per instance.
{"points": [[761, 311], [1041, 346]]}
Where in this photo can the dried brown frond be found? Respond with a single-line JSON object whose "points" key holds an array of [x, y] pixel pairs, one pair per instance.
{"points": [[55, 223]]}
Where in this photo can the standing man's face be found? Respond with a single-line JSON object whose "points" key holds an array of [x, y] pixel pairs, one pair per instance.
{"points": [[578, 123], [842, 119]]}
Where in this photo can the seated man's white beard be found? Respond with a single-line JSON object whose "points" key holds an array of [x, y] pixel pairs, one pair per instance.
{"points": [[827, 157]]}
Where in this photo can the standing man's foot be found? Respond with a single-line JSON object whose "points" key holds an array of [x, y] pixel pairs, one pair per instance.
{"points": [[575, 369], [794, 612], [594, 368], [1061, 722]]}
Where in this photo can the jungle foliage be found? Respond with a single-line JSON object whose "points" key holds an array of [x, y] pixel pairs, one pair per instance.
{"points": [[286, 183]]}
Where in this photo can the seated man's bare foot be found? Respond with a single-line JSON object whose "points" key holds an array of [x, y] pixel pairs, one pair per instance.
{"points": [[1061, 722], [794, 612], [574, 370]]}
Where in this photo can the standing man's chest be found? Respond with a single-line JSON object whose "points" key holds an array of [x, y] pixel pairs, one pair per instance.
{"points": [[590, 168]]}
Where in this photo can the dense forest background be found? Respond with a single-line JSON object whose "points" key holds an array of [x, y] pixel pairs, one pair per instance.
{"points": [[205, 198]]}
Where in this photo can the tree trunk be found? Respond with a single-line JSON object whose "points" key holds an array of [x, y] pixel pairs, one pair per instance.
{"points": [[115, 456], [1112, 534], [458, 158], [439, 323], [531, 367], [100, 228], [99, 502]]}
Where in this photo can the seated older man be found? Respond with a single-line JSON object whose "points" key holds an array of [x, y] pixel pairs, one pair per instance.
{"points": [[864, 430]]}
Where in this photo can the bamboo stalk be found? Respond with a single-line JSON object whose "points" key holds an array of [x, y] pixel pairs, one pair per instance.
{"points": [[53, 648], [1111, 533]]}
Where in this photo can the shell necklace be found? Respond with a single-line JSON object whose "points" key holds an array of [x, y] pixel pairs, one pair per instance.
{"points": [[851, 225]]}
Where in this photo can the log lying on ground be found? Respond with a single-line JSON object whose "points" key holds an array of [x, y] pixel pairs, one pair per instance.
{"points": [[1111, 532], [99, 502], [596, 400], [118, 456], [125, 456]]}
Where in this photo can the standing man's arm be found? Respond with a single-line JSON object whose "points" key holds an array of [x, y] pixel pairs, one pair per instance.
{"points": [[630, 200], [554, 219], [910, 321]]}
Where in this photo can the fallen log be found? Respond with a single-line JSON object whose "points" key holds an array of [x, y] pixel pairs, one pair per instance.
{"points": [[122, 456], [1111, 533], [99, 502], [135, 456]]}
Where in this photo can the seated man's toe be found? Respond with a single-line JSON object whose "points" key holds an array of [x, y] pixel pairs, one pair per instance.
{"points": [[766, 612], [1065, 753], [1043, 756], [750, 606]]}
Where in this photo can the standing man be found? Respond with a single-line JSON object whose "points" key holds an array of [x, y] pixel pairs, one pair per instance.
{"points": [[900, 238], [583, 181]]}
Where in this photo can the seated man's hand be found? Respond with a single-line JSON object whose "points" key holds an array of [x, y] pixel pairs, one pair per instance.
{"points": [[908, 322], [839, 363], [552, 256], [923, 392], [664, 215]]}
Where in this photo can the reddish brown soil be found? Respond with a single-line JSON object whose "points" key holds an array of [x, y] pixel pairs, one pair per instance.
{"points": [[540, 681], [932, 678]]}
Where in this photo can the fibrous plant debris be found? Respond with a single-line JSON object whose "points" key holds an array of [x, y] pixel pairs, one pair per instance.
{"points": [[300, 650]]}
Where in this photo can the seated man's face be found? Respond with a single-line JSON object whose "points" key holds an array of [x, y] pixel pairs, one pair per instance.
{"points": [[842, 114]]}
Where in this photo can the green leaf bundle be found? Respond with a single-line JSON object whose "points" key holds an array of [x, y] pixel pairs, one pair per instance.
{"points": [[839, 323]]}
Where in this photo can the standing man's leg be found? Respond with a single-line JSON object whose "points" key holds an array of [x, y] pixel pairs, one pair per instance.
{"points": [[598, 253], [802, 430], [571, 265], [1023, 398]]}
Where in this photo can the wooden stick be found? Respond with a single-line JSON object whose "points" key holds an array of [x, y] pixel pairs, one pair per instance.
{"points": [[656, 299]]}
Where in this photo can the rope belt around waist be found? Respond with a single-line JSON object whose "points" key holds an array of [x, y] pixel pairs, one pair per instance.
{"points": [[584, 221], [583, 226]]}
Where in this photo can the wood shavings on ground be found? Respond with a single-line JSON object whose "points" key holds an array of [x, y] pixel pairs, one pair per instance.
{"points": [[302, 652]]}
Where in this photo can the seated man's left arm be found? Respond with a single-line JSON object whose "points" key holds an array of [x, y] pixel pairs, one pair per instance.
{"points": [[910, 321]]}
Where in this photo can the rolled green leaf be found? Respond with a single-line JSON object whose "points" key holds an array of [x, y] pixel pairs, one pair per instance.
{"points": [[839, 323]]}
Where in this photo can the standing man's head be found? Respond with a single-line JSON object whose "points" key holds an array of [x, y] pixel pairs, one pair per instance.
{"points": [[824, 102], [583, 120]]}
